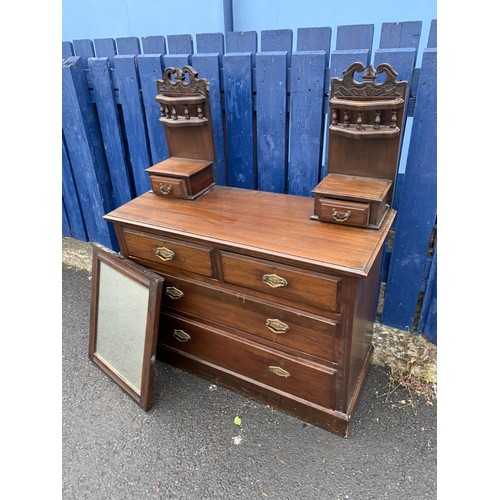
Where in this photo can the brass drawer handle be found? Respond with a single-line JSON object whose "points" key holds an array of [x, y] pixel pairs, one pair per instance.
{"points": [[277, 370], [274, 281], [340, 216], [181, 336], [174, 293], [276, 326], [165, 189], [165, 253]]}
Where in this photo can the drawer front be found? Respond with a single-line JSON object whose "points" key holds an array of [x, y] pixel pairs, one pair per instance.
{"points": [[305, 380], [168, 254], [304, 287], [306, 333], [168, 186], [344, 212]]}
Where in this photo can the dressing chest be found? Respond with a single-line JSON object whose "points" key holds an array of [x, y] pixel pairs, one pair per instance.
{"points": [[259, 298]]}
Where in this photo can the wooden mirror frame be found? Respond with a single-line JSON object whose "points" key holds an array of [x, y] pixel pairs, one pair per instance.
{"points": [[153, 285]]}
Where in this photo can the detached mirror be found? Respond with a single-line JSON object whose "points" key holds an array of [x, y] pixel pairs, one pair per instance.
{"points": [[124, 315]]}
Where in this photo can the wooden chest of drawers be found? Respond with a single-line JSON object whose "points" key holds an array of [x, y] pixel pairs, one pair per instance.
{"points": [[259, 298]]}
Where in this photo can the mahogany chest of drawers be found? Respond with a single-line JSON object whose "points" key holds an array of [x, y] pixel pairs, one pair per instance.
{"points": [[259, 298]]}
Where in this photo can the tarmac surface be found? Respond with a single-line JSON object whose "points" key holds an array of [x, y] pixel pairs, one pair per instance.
{"points": [[188, 446]]}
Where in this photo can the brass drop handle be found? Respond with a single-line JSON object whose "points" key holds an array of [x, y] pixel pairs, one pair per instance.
{"points": [[277, 370], [165, 189], [274, 281], [181, 336], [340, 216], [174, 293], [164, 253], [276, 326]]}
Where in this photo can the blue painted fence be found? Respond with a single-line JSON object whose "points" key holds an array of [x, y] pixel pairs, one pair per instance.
{"points": [[270, 114]]}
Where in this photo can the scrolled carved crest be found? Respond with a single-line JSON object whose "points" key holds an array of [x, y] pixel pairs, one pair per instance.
{"points": [[348, 88], [182, 81]]}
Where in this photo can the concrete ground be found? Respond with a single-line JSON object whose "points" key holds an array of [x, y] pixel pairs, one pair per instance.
{"points": [[188, 447]]}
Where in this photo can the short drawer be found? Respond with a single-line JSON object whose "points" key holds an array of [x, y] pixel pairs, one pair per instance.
{"points": [[168, 186], [350, 213], [303, 287], [168, 254], [307, 333], [305, 380]]}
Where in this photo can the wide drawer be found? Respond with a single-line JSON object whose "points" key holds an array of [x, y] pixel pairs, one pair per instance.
{"points": [[307, 333], [305, 380], [303, 287], [167, 253]]}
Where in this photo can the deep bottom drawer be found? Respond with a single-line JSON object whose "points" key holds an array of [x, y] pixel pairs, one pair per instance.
{"points": [[303, 379]]}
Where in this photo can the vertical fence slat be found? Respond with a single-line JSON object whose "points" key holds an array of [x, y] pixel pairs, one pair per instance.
{"points": [[79, 148], [314, 39], [100, 72], [151, 69], [239, 119], [355, 37], [176, 60], [208, 66], [277, 41], [432, 40], [428, 316], [127, 81], [180, 44], [241, 41], [71, 203], [105, 47], [271, 73], [211, 43], [417, 209], [154, 44], [66, 229], [128, 46], [402, 60], [67, 50], [400, 35], [84, 48], [340, 60], [306, 118]]}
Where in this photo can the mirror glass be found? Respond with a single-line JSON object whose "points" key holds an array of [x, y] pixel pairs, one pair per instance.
{"points": [[121, 325]]}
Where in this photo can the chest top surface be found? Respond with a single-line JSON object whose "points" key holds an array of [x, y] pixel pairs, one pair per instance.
{"points": [[258, 222]]}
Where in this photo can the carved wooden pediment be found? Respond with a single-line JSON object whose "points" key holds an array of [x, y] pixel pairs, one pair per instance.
{"points": [[182, 81], [368, 89]]}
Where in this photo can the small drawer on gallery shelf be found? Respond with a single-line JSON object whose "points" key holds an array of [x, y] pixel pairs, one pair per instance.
{"points": [[349, 213], [167, 254], [168, 186]]}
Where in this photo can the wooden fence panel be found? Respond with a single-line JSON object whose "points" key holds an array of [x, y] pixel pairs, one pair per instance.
{"points": [[100, 72], [84, 49], [94, 203], [239, 119], [355, 37], [151, 69], [127, 81], [271, 119], [208, 66], [306, 120], [67, 50], [432, 40], [417, 210], [176, 60]]}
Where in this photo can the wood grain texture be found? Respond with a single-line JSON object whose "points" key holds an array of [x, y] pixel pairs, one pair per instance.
{"points": [[240, 217]]}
